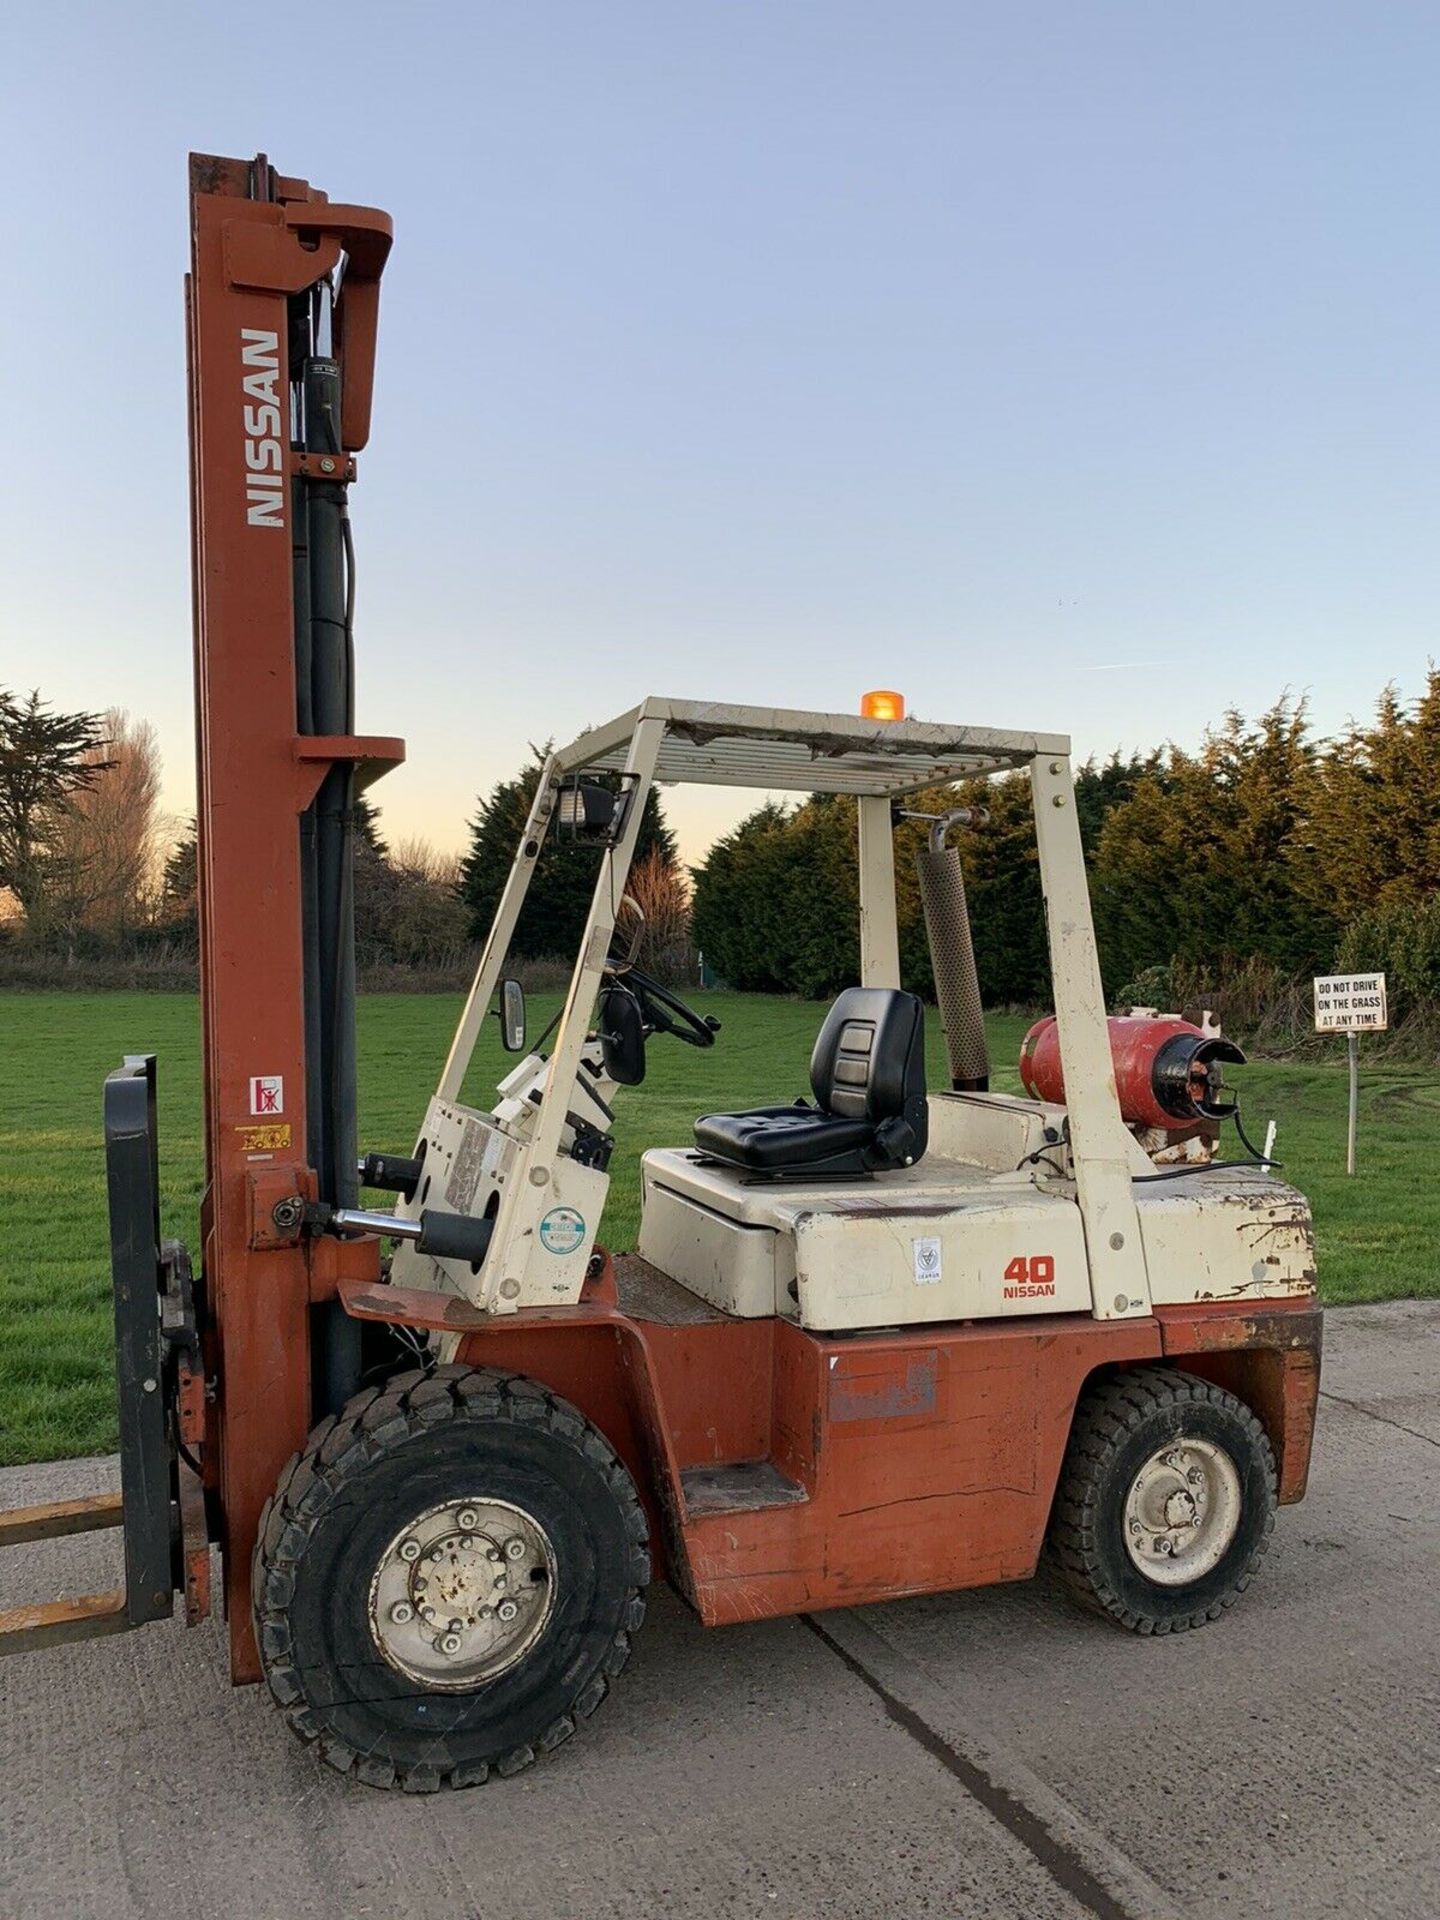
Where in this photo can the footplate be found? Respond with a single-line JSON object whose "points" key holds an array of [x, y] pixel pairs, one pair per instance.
{"points": [[161, 1390]]}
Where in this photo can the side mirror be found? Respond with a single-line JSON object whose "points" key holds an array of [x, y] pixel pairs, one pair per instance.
{"points": [[512, 1016]]}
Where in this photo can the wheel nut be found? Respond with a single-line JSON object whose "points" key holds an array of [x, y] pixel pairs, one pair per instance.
{"points": [[402, 1612], [427, 1613], [501, 1580], [466, 1519], [492, 1553], [515, 1549], [449, 1643], [456, 1625], [409, 1549], [507, 1610], [467, 1541]]}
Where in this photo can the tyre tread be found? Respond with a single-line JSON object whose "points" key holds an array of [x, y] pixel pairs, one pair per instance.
{"points": [[407, 1405], [1108, 1413]]}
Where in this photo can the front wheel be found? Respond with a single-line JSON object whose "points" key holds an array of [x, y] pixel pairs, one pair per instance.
{"points": [[447, 1578], [1166, 1500]]}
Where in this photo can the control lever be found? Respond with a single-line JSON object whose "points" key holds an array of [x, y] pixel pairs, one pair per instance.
{"points": [[391, 1173], [444, 1236]]}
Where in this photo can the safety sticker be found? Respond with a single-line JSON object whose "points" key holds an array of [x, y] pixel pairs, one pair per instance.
{"points": [[267, 1093], [562, 1230], [271, 1139], [927, 1260]]}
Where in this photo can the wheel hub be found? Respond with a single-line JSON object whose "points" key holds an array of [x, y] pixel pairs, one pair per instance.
{"points": [[1182, 1511], [462, 1593]]}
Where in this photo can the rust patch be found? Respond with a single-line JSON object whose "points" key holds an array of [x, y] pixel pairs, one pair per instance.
{"points": [[1222, 1325], [411, 1307], [195, 1543], [896, 1393]]}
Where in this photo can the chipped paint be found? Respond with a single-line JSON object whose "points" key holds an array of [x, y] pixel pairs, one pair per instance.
{"points": [[901, 1390]]}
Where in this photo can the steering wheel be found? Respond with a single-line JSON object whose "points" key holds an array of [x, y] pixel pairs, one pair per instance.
{"points": [[666, 1012], [625, 945]]}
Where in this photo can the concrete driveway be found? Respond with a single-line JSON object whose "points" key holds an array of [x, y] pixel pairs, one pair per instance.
{"points": [[990, 1755]]}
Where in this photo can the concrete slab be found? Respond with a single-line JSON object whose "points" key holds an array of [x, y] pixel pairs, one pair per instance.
{"points": [[986, 1755], [735, 1774], [1286, 1759]]}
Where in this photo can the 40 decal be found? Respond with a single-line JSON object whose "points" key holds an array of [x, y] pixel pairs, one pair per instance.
{"points": [[1030, 1276]]}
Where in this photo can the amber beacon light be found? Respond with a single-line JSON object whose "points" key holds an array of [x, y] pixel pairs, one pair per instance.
{"points": [[882, 703]]}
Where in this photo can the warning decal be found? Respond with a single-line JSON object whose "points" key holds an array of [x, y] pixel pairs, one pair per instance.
{"points": [[267, 1093], [928, 1265], [562, 1230]]}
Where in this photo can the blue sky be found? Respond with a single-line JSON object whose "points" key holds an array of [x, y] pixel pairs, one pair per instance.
{"points": [[1061, 364]]}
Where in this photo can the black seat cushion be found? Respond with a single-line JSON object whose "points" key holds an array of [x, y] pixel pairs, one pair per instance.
{"points": [[772, 1138], [867, 1073]]}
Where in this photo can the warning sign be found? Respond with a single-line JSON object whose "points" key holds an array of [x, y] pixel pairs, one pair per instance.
{"points": [[562, 1230], [929, 1266], [267, 1093], [1350, 1003]]}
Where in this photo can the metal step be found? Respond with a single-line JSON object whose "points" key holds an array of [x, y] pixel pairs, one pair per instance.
{"points": [[743, 1487]]}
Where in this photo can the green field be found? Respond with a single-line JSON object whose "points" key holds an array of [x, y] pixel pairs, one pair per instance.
{"points": [[1376, 1232]]}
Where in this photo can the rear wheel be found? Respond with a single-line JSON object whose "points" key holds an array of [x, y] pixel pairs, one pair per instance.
{"points": [[447, 1578], [1166, 1500]]}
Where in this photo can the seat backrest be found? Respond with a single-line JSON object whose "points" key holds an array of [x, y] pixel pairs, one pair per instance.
{"points": [[869, 1058]]}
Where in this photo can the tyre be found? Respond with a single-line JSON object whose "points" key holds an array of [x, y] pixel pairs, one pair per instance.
{"points": [[447, 1578], [1166, 1500]]}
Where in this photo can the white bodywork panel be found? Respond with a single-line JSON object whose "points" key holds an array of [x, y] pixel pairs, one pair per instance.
{"points": [[995, 1130], [930, 1242], [960, 1238], [1236, 1233], [472, 1160]]}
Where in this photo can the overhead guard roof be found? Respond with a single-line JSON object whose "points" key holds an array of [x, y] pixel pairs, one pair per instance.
{"points": [[712, 745]]}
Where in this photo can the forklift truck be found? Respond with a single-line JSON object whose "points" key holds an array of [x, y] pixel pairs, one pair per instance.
{"points": [[877, 1339]]}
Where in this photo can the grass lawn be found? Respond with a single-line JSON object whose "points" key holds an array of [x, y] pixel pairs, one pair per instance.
{"points": [[1376, 1232]]}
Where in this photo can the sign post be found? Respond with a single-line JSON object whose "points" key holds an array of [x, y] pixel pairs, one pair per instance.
{"points": [[1352, 1004]]}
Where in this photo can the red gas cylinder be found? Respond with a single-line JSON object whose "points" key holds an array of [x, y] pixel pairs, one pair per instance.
{"points": [[1167, 1071]]}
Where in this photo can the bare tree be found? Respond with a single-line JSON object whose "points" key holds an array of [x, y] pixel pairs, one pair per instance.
{"points": [[408, 910], [415, 855], [661, 890], [108, 854]]}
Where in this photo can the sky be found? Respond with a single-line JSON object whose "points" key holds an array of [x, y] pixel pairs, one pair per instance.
{"points": [[1066, 366]]}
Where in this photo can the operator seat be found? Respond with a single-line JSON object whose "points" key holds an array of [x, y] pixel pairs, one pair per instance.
{"points": [[868, 1076]]}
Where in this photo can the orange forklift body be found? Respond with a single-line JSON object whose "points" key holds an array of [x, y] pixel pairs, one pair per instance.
{"points": [[256, 776], [785, 1470]]}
